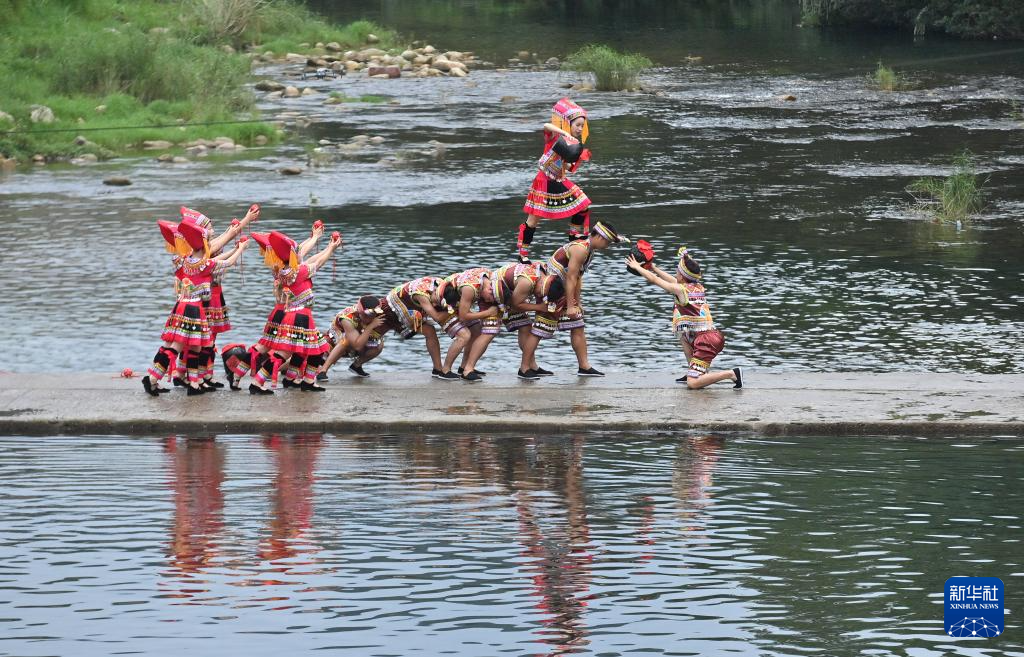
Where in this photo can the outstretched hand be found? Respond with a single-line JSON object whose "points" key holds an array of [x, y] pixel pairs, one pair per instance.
{"points": [[253, 213], [632, 262]]}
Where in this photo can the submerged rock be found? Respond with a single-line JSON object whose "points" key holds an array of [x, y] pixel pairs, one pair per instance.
{"points": [[269, 85], [291, 171], [117, 181]]}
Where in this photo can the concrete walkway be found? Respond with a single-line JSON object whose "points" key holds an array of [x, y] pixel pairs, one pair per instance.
{"points": [[412, 402]]}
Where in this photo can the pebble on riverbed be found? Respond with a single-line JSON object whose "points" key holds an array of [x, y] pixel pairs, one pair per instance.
{"points": [[291, 171]]}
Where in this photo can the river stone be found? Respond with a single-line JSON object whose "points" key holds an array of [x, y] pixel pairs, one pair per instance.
{"points": [[291, 92], [42, 114], [376, 140], [384, 71], [177, 159], [275, 94], [291, 171], [309, 91], [226, 148], [359, 139], [260, 140], [429, 50], [409, 54], [523, 54], [156, 145], [79, 140], [458, 72], [223, 140], [159, 30], [352, 65], [100, 109], [420, 60], [269, 85], [5, 117], [117, 181], [367, 53], [164, 157], [552, 62], [228, 49], [85, 158], [422, 73], [509, 99], [319, 44], [372, 38], [333, 46], [196, 151], [295, 57], [788, 98], [38, 159], [8, 164], [442, 64]]}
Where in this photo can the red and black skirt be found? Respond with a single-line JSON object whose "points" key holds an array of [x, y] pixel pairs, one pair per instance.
{"points": [[187, 325], [297, 334], [553, 199], [270, 328], [217, 311]]}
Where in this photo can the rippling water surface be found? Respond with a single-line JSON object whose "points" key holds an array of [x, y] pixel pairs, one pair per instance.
{"points": [[598, 544], [797, 209]]}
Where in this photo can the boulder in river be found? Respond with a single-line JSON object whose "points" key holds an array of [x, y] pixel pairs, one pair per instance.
{"points": [[386, 71], [117, 181], [291, 171], [291, 92], [269, 85]]}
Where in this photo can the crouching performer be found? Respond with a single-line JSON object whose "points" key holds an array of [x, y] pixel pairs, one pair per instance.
{"points": [[691, 320], [358, 334]]}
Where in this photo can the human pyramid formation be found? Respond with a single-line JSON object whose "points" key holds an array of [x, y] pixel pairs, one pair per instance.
{"points": [[534, 300]]}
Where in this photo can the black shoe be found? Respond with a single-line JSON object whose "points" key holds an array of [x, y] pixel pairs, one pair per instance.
{"points": [[161, 391], [358, 370], [472, 377], [149, 387], [214, 384], [529, 375], [312, 387], [322, 376], [206, 386], [683, 379], [288, 383], [231, 378], [179, 382], [524, 260], [590, 371], [446, 376], [192, 392], [462, 369], [540, 371], [256, 390], [739, 377]]}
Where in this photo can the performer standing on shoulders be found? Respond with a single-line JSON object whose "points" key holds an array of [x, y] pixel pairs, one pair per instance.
{"points": [[552, 195], [691, 320]]}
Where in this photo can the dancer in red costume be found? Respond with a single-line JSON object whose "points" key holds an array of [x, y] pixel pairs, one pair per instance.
{"points": [[552, 195], [187, 331]]}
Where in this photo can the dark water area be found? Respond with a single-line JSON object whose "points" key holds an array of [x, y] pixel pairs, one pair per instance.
{"points": [[604, 544], [797, 210]]}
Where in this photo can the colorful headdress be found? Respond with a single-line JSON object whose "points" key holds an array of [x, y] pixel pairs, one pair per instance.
{"points": [[262, 240], [608, 232], [196, 216], [688, 270], [281, 252], [168, 229], [195, 238], [563, 113]]}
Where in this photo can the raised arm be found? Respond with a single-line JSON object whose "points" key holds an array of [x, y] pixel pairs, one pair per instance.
{"points": [[663, 274], [672, 287], [319, 259], [236, 253], [309, 243], [551, 127], [222, 240]]}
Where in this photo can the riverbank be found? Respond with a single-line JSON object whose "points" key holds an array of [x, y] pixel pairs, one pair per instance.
{"points": [[771, 403], [97, 79]]}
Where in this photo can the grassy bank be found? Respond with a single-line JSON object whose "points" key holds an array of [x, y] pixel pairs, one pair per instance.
{"points": [[141, 64]]}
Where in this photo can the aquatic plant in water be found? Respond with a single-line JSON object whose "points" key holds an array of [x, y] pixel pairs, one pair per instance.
{"points": [[612, 70], [886, 79], [956, 198]]}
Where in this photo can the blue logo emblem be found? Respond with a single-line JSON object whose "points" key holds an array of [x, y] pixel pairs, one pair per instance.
{"points": [[974, 606]]}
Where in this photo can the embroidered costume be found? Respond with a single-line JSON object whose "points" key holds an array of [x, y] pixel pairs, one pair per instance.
{"points": [[503, 283], [692, 322]]}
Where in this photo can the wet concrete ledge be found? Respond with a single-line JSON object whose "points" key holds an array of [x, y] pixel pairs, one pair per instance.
{"points": [[771, 403]]}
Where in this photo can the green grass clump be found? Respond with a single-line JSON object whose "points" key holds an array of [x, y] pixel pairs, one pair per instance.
{"points": [[612, 70], [956, 198], [365, 98], [886, 79]]}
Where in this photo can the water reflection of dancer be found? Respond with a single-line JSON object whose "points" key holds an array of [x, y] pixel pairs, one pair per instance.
{"points": [[292, 500], [691, 320], [561, 560], [187, 330], [197, 474], [693, 477], [552, 195]]}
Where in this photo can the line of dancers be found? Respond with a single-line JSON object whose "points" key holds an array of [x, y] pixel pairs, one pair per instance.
{"points": [[534, 300]]}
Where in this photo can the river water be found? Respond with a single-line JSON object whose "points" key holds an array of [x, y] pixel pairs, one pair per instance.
{"points": [[797, 210], [600, 544]]}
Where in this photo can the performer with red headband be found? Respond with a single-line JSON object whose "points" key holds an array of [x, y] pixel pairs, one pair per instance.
{"points": [[569, 263], [187, 330], [518, 289], [297, 339], [552, 195], [240, 360], [691, 320], [216, 307]]}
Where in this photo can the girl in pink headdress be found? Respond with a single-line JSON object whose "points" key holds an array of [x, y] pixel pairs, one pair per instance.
{"points": [[552, 195]]}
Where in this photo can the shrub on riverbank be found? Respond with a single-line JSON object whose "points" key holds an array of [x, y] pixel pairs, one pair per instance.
{"points": [[955, 198], [141, 64], [964, 18], [612, 70]]}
